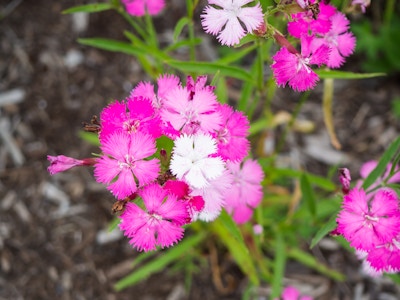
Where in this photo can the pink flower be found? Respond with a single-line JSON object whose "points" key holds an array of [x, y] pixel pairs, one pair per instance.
{"points": [[139, 8], [123, 166], [158, 224], [294, 68], [345, 179], [62, 163], [341, 42], [367, 225], [190, 111], [385, 257], [246, 191], [362, 3], [305, 23], [291, 293], [191, 160], [231, 137], [136, 114], [227, 19], [369, 166], [165, 83]]}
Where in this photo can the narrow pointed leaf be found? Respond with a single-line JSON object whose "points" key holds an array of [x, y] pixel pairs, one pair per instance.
{"points": [[308, 194], [89, 8], [325, 74], [324, 230]]}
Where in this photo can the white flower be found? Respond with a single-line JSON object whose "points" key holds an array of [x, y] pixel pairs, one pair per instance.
{"points": [[191, 162]]}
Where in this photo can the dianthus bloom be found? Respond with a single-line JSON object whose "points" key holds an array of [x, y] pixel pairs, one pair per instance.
{"points": [[362, 3], [367, 225], [291, 293], [158, 224], [191, 160], [290, 67], [227, 18], [61, 163], [246, 191], [123, 166], [139, 8]]}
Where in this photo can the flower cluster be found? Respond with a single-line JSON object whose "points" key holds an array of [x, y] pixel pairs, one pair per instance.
{"points": [[371, 224], [205, 172], [324, 40]]}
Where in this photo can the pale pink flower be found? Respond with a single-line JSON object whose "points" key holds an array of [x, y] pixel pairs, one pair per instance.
{"points": [[191, 160], [123, 166], [190, 111], [294, 68], [367, 225], [340, 42], [135, 114], [369, 166], [231, 137], [246, 191], [362, 3], [258, 229], [139, 8], [291, 293], [214, 196], [158, 224], [61, 163], [230, 20]]}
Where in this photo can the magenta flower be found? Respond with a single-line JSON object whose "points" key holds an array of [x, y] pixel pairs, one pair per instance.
{"points": [[246, 191], [231, 137], [158, 224], [367, 225], [191, 111], [291, 293], [341, 42], [345, 179], [123, 166], [385, 257], [294, 68], [362, 3], [192, 162], [139, 8], [136, 114], [230, 20], [62, 163]]}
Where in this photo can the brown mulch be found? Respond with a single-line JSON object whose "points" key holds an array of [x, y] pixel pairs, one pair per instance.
{"points": [[51, 228]]}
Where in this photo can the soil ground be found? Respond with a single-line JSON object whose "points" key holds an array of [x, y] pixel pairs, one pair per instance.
{"points": [[51, 244]]}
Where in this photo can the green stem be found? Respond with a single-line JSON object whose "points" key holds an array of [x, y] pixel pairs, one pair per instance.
{"points": [[152, 35], [389, 9], [133, 23]]}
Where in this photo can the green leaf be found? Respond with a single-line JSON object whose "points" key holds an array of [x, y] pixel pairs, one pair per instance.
{"points": [[90, 137], [323, 74], [88, 8], [231, 226], [236, 55], [324, 230], [210, 68], [112, 45], [237, 249], [183, 43], [113, 224], [179, 27], [279, 266], [308, 194], [159, 263], [382, 164]]}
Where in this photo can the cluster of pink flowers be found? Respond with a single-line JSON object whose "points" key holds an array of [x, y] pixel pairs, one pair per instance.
{"points": [[324, 40], [370, 221], [205, 172]]}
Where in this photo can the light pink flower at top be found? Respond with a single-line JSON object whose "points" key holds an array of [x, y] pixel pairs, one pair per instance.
{"points": [[191, 160], [291, 293], [158, 224], [135, 114], [246, 192], [123, 166], [231, 137], [165, 83], [341, 42], [228, 17], [294, 68], [139, 8], [61, 163], [369, 166], [191, 112], [369, 224]]}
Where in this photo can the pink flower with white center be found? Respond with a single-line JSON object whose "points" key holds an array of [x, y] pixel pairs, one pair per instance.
{"points": [[158, 224], [291, 293], [385, 257], [231, 137], [246, 191], [228, 17], [294, 68], [304, 23], [135, 114], [191, 112], [214, 196], [165, 83], [191, 160], [341, 42], [61, 163], [123, 166], [369, 224], [139, 8]]}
